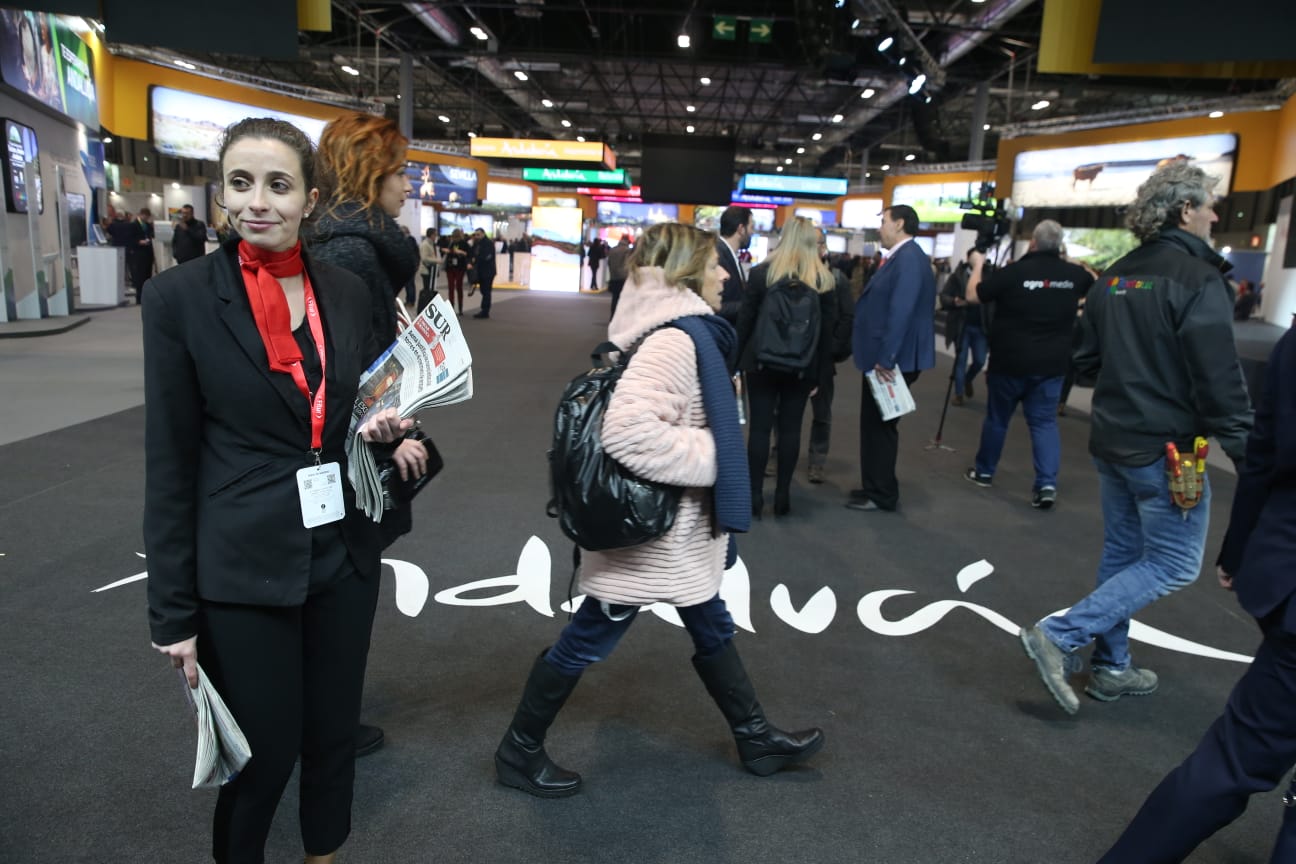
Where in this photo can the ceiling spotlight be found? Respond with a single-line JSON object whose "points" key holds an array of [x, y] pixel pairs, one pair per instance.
{"points": [[704, 81], [689, 128], [800, 150], [566, 123], [787, 161], [683, 40], [175, 185], [107, 139], [690, 108], [886, 167], [472, 134], [779, 169], [837, 118], [479, 33], [816, 136], [855, 24], [520, 75], [909, 157], [1226, 250], [926, 98], [885, 42], [868, 174], [580, 138], [548, 103], [917, 84], [867, 93], [1215, 115], [186, 65], [443, 118], [1040, 105], [985, 128], [904, 58], [350, 70]]}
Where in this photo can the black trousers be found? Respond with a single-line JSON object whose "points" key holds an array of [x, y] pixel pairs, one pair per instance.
{"points": [[292, 678], [821, 422], [486, 283], [615, 286], [141, 269], [1249, 749], [771, 395], [879, 444]]}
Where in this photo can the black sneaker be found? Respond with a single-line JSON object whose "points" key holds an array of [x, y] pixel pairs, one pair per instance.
{"points": [[985, 481], [1044, 498]]}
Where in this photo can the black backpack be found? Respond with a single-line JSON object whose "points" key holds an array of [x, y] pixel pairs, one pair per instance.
{"points": [[599, 504], [786, 335]]}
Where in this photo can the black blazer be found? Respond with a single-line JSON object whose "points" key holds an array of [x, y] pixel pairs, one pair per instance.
{"points": [[225, 437], [731, 293], [1260, 542]]}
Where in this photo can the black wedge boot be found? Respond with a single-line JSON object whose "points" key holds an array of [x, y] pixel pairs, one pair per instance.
{"points": [[762, 748], [520, 760]]}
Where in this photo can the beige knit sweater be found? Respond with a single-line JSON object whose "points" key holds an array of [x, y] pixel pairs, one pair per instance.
{"points": [[655, 425]]}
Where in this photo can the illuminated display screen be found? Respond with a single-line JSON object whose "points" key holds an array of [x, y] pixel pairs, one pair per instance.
{"points": [[577, 176], [447, 184], [861, 213], [190, 126], [1110, 174], [790, 184]]}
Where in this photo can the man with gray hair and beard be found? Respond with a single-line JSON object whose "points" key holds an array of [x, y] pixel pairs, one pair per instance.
{"points": [[1158, 339], [1030, 352]]}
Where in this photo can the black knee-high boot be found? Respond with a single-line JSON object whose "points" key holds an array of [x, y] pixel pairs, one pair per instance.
{"points": [[520, 760], [763, 748]]}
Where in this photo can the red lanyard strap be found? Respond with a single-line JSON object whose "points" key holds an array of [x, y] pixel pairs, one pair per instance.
{"points": [[299, 373]]}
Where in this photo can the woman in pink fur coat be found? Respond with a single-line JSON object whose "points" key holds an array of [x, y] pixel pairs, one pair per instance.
{"points": [[671, 406]]}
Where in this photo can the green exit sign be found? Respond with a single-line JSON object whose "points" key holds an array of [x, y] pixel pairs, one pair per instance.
{"points": [[725, 27], [760, 30], [576, 176]]}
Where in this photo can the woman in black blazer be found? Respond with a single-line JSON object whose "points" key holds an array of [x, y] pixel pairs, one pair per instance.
{"points": [[252, 357], [775, 394]]}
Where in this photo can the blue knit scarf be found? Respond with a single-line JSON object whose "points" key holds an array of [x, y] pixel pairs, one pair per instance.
{"points": [[716, 343]]}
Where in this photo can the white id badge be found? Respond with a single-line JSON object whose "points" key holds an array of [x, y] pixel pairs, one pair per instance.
{"points": [[320, 489]]}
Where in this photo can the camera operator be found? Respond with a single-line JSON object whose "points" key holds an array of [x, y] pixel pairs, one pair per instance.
{"points": [[1030, 351], [965, 329]]}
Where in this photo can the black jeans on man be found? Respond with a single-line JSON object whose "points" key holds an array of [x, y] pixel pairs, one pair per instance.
{"points": [[615, 286], [879, 445]]}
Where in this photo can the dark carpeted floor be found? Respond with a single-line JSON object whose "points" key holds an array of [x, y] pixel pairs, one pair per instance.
{"points": [[942, 744]]}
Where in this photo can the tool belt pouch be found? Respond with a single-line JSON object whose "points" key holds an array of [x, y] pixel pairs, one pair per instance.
{"points": [[1186, 485]]}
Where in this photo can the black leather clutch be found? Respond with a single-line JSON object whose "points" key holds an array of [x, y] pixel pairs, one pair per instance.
{"points": [[398, 492]]}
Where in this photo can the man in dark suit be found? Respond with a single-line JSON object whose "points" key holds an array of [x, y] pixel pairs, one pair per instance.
{"points": [[188, 236], [1251, 746], [735, 235], [894, 333], [481, 269]]}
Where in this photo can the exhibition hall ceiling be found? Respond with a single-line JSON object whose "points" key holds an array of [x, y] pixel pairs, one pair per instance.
{"points": [[800, 86]]}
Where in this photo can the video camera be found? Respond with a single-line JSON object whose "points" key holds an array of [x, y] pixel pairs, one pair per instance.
{"points": [[989, 220]]}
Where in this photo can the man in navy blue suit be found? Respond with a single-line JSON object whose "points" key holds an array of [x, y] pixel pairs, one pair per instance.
{"points": [[894, 333], [1251, 746]]}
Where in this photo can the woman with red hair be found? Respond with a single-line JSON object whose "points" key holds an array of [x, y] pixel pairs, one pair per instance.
{"points": [[362, 167]]}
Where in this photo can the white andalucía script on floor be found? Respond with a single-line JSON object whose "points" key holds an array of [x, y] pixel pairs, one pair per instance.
{"points": [[532, 584]]}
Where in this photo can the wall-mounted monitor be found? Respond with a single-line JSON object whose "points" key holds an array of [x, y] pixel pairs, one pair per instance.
{"points": [[508, 196], [861, 214], [822, 218], [1099, 247], [791, 184], [627, 213], [190, 126], [927, 244], [20, 148], [1104, 175], [45, 59], [762, 221], [836, 242], [936, 202], [76, 216], [467, 222], [446, 184]]}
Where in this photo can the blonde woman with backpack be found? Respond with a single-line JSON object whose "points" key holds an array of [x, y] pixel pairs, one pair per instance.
{"points": [[785, 348]]}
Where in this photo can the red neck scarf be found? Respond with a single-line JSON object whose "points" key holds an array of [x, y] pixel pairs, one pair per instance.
{"points": [[262, 270]]}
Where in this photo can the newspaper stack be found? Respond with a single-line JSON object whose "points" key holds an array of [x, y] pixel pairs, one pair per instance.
{"points": [[893, 397], [429, 364], [222, 748]]}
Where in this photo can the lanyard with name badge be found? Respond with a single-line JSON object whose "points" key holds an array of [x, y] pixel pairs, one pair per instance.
{"points": [[319, 486]]}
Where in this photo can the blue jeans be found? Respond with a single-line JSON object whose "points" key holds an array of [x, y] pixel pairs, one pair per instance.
{"points": [[1150, 548], [594, 631], [971, 341], [1038, 396]]}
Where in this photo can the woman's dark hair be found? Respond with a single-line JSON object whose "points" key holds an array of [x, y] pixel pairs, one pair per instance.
{"points": [[273, 130]]}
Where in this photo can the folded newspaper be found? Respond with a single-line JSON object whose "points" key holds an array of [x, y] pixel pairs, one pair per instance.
{"points": [[222, 748], [893, 397], [429, 364]]}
